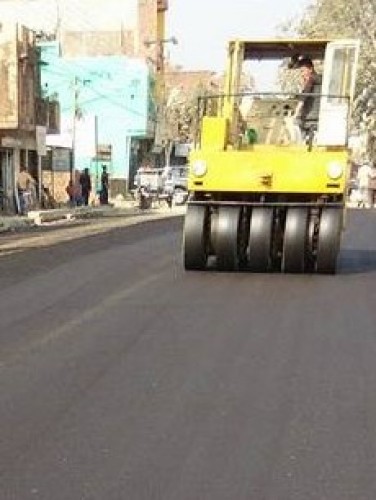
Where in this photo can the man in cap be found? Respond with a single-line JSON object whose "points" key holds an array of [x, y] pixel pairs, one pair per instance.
{"points": [[307, 112]]}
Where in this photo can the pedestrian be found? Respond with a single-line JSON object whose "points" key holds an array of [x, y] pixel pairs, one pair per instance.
{"points": [[85, 182], [26, 185], [364, 177], [74, 193], [373, 184], [103, 196], [71, 193]]}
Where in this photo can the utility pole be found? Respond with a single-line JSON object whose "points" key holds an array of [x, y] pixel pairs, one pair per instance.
{"points": [[75, 113], [160, 85], [77, 84], [58, 21], [158, 60], [96, 153]]}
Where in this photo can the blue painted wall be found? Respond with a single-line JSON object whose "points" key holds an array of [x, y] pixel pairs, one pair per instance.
{"points": [[115, 89]]}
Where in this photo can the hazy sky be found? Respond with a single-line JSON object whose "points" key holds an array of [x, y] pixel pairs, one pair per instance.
{"points": [[203, 27]]}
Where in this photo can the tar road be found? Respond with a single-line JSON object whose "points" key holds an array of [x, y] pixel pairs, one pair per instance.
{"points": [[122, 377]]}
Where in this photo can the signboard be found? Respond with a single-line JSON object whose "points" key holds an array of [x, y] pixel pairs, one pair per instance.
{"points": [[104, 152], [40, 136], [61, 160], [10, 142]]}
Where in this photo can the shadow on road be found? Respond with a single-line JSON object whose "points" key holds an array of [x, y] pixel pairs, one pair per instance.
{"points": [[351, 261], [357, 261]]}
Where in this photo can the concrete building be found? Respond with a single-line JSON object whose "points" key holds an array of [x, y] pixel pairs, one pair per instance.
{"points": [[25, 115], [108, 72], [93, 35], [105, 105]]}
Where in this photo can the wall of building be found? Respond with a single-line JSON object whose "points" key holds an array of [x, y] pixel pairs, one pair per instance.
{"points": [[19, 82], [20, 97], [9, 78], [110, 96], [98, 43], [191, 80], [56, 183]]}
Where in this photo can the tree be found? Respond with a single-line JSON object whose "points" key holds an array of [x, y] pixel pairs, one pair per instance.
{"points": [[348, 19], [180, 120]]}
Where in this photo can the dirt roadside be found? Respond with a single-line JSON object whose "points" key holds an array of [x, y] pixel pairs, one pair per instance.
{"points": [[58, 233]]}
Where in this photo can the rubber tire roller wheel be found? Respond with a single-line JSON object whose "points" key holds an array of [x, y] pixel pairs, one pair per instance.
{"points": [[260, 239], [329, 240], [196, 233], [295, 240], [227, 238]]}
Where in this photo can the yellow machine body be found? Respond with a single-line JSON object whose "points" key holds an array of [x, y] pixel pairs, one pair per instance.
{"points": [[270, 169]]}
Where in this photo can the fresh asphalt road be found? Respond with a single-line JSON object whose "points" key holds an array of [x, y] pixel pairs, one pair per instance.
{"points": [[124, 378]]}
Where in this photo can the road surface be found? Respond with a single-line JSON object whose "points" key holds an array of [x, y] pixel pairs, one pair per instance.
{"points": [[124, 378]]}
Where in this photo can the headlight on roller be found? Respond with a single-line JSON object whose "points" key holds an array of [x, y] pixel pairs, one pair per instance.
{"points": [[335, 170], [199, 168]]}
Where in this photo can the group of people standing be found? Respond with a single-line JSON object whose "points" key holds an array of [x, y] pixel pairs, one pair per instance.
{"points": [[79, 190]]}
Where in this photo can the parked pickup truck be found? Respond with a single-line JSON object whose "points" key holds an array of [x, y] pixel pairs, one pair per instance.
{"points": [[168, 183], [176, 183]]}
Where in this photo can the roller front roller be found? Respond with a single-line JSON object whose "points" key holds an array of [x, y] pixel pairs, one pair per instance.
{"points": [[260, 239], [228, 238], [196, 236], [295, 240], [329, 240]]}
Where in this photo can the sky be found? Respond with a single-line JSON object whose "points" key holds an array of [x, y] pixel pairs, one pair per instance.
{"points": [[203, 27]]}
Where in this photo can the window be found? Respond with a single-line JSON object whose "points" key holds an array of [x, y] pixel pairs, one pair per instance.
{"points": [[341, 74]]}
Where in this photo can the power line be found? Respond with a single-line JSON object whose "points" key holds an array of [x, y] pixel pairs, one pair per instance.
{"points": [[71, 76]]}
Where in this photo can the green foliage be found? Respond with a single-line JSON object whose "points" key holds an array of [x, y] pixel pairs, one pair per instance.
{"points": [[181, 112]]}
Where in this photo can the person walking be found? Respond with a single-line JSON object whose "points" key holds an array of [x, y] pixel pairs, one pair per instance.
{"points": [[25, 186], [364, 177], [85, 182], [373, 184], [103, 197]]}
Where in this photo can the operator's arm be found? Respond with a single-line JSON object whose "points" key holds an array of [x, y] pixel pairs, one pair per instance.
{"points": [[307, 89], [30, 180], [298, 108]]}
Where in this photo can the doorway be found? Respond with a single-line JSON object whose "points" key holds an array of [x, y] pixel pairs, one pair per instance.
{"points": [[7, 203]]}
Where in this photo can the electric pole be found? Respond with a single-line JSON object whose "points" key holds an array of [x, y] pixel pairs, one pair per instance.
{"points": [[75, 114]]}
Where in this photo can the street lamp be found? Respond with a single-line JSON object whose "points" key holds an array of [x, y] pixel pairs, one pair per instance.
{"points": [[172, 40]]}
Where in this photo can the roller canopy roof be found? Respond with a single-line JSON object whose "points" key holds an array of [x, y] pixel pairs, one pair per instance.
{"points": [[278, 49]]}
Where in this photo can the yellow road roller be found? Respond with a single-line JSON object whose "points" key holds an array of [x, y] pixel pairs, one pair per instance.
{"points": [[268, 171]]}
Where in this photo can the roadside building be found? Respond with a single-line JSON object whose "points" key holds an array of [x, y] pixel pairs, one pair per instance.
{"points": [[127, 46], [25, 114], [105, 105]]}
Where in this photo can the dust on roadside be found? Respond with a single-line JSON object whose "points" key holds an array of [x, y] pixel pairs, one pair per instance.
{"points": [[52, 234]]}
